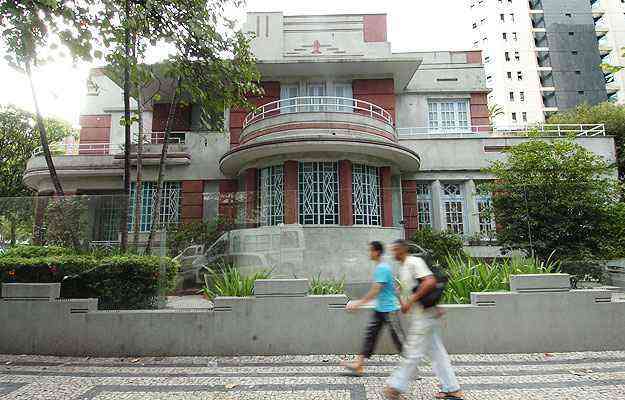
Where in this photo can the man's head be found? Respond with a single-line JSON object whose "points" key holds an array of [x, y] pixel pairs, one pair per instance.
{"points": [[400, 249], [376, 249]]}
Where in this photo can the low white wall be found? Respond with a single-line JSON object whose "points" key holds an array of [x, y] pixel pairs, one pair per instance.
{"points": [[291, 323]]}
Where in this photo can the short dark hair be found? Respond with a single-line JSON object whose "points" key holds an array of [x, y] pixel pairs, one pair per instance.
{"points": [[401, 243], [377, 246]]}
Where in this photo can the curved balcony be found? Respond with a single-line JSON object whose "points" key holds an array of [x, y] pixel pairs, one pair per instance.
{"points": [[329, 126]]}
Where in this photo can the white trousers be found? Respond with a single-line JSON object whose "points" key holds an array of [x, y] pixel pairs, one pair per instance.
{"points": [[424, 339]]}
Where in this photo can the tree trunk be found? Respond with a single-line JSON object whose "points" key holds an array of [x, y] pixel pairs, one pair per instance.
{"points": [[156, 206], [12, 231], [127, 140], [43, 137], [45, 146], [138, 184]]}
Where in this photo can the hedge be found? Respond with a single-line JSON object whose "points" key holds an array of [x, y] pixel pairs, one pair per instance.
{"points": [[118, 282]]}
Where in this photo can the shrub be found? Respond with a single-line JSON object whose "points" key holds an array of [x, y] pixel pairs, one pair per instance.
{"points": [[468, 275], [181, 236], [31, 251], [229, 282], [118, 282], [439, 245], [320, 286]]}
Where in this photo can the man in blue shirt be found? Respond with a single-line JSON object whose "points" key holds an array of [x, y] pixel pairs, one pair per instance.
{"points": [[385, 311]]}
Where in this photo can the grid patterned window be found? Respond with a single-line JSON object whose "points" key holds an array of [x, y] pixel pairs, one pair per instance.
{"points": [[108, 214], [487, 223], [453, 206], [366, 195], [318, 193], [448, 115], [424, 205], [271, 195], [170, 204]]}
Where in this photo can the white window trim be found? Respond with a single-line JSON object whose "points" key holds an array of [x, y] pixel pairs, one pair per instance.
{"points": [[436, 128]]}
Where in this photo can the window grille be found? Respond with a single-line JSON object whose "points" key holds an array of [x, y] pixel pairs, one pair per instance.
{"points": [[108, 217], [453, 205], [486, 221], [170, 204], [366, 195], [318, 193], [424, 205], [271, 195], [449, 115]]}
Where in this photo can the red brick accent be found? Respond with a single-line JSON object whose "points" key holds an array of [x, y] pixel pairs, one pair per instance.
{"points": [[346, 211], [251, 193], [237, 115], [374, 28], [95, 129], [387, 196], [409, 204], [227, 208], [474, 57], [291, 212], [479, 110], [318, 125], [192, 201], [380, 92], [182, 119]]}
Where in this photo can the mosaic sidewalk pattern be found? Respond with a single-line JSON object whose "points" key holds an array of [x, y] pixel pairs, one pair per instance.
{"points": [[588, 376]]}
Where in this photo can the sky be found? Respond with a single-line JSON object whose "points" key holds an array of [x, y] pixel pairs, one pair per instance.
{"points": [[413, 25]]}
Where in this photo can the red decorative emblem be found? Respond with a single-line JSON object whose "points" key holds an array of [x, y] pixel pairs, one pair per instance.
{"points": [[316, 47]]}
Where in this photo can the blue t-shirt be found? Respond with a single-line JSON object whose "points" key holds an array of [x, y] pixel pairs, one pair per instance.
{"points": [[387, 299]]}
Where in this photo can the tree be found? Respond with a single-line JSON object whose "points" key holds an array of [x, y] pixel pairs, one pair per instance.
{"points": [[555, 198], [31, 28], [610, 114], [19, 138], [494, 111], [211, 67]]}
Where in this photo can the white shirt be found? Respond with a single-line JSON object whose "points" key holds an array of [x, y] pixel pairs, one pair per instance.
{"points": [[411, 269]]}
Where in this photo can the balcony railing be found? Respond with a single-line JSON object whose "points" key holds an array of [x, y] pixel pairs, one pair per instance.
{"points": [[512, 130], [318, 104], [103, 148]]}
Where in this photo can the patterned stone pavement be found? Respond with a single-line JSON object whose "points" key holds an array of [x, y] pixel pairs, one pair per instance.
{"points": [[588, 376]]}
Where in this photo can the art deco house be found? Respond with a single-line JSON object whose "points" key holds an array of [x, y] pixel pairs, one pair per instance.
{"points": [[349, 143]]}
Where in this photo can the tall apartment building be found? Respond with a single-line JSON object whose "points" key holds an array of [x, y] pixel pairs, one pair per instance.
{"points": [[609, 17], [540, 56]]}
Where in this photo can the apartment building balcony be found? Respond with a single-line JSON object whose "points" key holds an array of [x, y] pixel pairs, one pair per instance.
{"points": [[102, 159], [535, 5], [318, 124], [499, 130], [601, 31], [612, 88]]}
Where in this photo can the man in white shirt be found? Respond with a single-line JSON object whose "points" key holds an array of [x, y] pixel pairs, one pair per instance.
{"points": [[423, 337]]}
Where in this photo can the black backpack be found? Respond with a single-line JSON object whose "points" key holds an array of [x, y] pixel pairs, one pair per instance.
{"points": [[435, 295]]}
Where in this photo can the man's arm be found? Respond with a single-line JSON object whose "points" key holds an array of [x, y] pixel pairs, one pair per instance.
{"points": [[373, 292], [427, 284]]}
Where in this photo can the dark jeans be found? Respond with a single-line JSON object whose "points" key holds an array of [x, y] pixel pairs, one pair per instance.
{"points": [[378, 320]]}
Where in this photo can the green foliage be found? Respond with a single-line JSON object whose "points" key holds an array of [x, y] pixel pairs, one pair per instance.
{"points": [[118, 282], [555, 196], [468, 275], [57, 229], [438, 244], [610, 114], [320, 286], [181, 236], [229, 282]]}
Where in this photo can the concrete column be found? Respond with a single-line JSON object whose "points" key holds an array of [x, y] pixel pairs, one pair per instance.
{"points": [[471, 216], [386, 196], [346, 211], [291, 211], [250, 179], [438, 214]]}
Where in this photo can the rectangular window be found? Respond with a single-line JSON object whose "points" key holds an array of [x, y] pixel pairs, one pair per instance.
{"points": [[509, 74], [169, 209], [271, 195], [289, 92], [344, 92], [366, 195], [514, 117], [511, 96], [452, 199], [512, 17], [316, 92], [449, 115], [318, 193], [519, 75], [502, 18], [424, 205], [504, 36], [517, 56], [524, 116], [515, 36], [107, 218], [485, 218], [507, 56], [522, 97]]}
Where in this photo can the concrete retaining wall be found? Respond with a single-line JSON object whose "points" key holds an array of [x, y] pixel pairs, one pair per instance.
{"points": [[285, 321]]}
